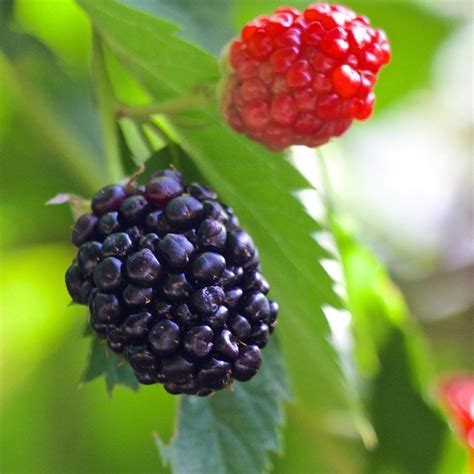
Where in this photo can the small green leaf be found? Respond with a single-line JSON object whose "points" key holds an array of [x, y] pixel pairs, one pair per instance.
{"points": [[102, 361], [137, 144], [233, 431], [77, 204], [206, 22]]}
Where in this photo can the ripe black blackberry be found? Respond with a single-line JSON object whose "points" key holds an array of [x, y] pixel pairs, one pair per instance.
{"points": [[173, 284]]}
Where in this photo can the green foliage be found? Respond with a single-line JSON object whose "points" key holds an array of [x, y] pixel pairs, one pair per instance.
{"points": [[71, 427], [375, 302], [33, 309], [207, 23], [235, 430], [116, 371], [49, 140], [6, 10], [395, 368], [50, 135], [66, 32], [402, 418]]}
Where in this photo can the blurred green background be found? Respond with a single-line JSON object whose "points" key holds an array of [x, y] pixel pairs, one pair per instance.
{"points": [[412, 204]]}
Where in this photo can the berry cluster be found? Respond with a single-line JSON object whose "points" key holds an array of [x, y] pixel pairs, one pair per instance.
{"points": [[300, 78], [173, 283]]}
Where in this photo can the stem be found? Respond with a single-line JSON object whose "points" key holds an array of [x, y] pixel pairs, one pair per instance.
{"points": [[142, 113], [106, 103], [362, 425], [326, 184], [132, 181]]}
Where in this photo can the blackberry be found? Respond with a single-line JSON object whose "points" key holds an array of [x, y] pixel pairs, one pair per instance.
{"points": [[173, 283]]}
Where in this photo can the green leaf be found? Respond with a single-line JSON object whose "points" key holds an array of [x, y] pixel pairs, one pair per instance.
{"points": [[233, 431], [136, 142], [77, 204], [102, 361], [173, 65], [56, 105], [207, 23], [310, 448], [105, 103], [47, 122], [412, 434], [6, 11], [391, 353], [371, 292], [258, 184]]}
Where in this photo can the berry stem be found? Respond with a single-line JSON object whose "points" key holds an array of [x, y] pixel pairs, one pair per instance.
{"points": [[142, 113], [106, 103], [326, 181]]}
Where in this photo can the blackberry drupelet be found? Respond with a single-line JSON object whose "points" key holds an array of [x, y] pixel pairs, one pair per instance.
{"points": [[173, 283]]}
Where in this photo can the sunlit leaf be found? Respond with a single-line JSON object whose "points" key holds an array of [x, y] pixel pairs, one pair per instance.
{"points": [[207, 23], [34, 309], [59, 30]]}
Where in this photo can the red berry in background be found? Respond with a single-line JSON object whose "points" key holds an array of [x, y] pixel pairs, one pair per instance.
{"points": [[457, 393], [300, 78]]}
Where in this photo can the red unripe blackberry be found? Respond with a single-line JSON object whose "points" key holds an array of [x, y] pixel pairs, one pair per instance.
{"points": [[458, 395], [173, 283], [301, 78]]}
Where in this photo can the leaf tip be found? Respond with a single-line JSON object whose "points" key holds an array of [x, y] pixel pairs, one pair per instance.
{"points": [[162, 449]]}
